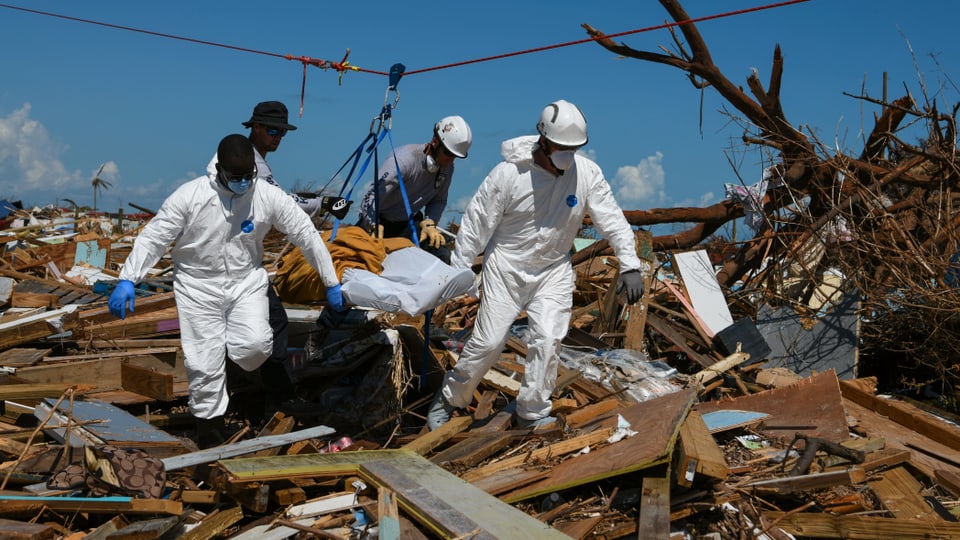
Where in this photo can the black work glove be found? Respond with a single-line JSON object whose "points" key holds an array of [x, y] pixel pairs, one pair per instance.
{"points": [[336, 206], [631, 282]]}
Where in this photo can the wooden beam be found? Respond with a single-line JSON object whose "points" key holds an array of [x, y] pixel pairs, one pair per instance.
{"points": [[94, 505], [430, 440], [793, 484], [716, 369], [147, 382], [473, 450], [824, 525], [902, 413], [698, 452], [653, 520], [901, 494]]}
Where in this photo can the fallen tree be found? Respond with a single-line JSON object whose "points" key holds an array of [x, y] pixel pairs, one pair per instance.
{"points": [[881, 217]]}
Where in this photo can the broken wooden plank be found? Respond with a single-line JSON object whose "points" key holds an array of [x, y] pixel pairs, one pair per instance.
{"points": [[389, 514], [557, 449], [698, 452], [663, 327], [591, 412], [22, 356], [905, 414], [948, 479], [901, 494], [110, 424], [152, 324], [935, 456], [450, 506], [718, 368], [144, 306], [28, 299], [147, 529], [657, 419], [20, 530], [95, 505], [243, 447], [824, 525], [148, 382], [430, 440], [653, 520], [793, 484], [41, 325], [20, 392], [473, 450]]}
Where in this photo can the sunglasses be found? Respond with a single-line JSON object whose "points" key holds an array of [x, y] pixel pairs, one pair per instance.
{"points": [[237, 177], [275, 132]]}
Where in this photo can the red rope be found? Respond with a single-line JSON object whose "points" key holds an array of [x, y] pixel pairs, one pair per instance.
{"points": [[304, 59], [608, 36], [344, 66]]}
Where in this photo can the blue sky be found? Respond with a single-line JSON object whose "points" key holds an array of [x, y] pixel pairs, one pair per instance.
{"points": [[77, 95]]}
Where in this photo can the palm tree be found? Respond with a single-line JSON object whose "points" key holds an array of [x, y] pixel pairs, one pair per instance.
{"points": [[98, 184], [76, 209]]}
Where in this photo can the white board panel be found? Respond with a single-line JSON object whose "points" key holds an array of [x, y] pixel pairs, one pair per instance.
{"points": [[704, 291]]}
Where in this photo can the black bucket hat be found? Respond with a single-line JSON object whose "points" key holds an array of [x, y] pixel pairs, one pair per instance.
{"points": [[270, 114]]}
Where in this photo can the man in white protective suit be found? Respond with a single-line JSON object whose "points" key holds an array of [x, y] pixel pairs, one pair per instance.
{"points": [[218, 222], [268, 126], [524, 218], [427, 172]]}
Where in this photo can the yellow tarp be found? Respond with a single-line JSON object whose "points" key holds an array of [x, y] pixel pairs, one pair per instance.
{"points": [[297, 282]]}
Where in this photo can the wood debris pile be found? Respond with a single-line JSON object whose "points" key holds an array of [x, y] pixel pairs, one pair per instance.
{"points": [[678, 414], [735, 400]]}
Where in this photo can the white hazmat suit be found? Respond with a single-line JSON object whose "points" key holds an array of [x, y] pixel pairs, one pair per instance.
{"points": [[525, 219], [219, 280]]}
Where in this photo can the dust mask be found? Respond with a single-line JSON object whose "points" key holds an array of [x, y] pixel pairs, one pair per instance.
{"points": [[239, 186], [432, 165], [562, 159]]}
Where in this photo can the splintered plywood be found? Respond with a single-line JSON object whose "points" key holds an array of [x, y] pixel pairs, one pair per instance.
{"points": [[110, 424], [657, 423], [812, 406]]}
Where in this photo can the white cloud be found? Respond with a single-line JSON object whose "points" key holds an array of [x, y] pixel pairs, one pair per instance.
{"points": [[30, 166], [641, 185]]}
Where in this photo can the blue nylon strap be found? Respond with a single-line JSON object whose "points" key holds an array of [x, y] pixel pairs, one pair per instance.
{"points": [[366, 162], [403, 195]]}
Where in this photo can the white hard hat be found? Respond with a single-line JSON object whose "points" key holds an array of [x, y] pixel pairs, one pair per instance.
{"points": [[455, 135], [562, 122]]}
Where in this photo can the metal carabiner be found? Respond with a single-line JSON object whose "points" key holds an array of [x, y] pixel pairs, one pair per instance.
{"points": [[386, 113]]}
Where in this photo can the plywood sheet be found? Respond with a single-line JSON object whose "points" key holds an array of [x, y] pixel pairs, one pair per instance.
{"points": [[812, 406], [658, 423], [110, 424]]}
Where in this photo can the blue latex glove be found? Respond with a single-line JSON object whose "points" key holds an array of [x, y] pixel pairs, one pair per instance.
{"points": [[122, 294], [335, 297]]}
